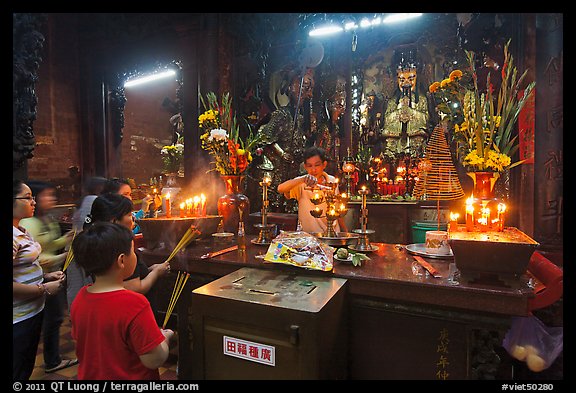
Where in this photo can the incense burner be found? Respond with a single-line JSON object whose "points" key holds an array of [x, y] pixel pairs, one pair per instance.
{"points": [[170, 230]]}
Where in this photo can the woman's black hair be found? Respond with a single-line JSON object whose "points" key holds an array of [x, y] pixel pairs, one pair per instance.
{"points": [[97, 247], [16, 189], [37, 187], [108, 207], [94, 185], [113, 185]]}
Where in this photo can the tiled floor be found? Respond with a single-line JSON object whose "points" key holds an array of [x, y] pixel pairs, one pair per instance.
{"points": [[67, 350]]}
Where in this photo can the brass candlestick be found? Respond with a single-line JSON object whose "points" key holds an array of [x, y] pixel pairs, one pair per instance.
{"points": [[266, 230], [363, 241]]}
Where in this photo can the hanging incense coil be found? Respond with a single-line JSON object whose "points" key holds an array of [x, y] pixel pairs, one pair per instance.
{"points": [[438, 178]]}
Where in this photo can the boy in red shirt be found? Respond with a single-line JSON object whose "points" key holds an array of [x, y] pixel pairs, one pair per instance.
{"points": [[114, 328]]}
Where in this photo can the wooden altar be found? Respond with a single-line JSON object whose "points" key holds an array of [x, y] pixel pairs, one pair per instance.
{"points": [[400, 325]]}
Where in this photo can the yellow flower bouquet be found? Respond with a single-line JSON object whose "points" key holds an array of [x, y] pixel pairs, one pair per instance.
{"points": [[172, 156], [483, 121]]}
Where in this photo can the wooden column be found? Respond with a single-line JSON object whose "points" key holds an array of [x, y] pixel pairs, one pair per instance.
{"points": [[548, 157]]}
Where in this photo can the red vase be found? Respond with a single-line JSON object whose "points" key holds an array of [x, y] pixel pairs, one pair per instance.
{"points": [[484, 184], [234, 203]]}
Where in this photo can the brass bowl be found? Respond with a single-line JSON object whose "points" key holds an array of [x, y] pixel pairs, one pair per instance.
{"points": [[341, 239], [170, 230]]}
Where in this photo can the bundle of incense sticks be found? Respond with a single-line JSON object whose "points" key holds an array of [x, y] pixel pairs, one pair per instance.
{"points": [[70, 255], [190, 234], [178, 287]]}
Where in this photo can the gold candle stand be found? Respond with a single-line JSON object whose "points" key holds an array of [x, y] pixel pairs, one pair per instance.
{"points": [[266, 230], [363, 242]]}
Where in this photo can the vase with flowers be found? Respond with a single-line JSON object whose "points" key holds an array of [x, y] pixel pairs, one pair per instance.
{"points": [[483, 119], [231, 154], [172, 158]]}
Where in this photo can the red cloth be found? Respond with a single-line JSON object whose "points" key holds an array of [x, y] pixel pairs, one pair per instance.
{"points": [[112, 330]]}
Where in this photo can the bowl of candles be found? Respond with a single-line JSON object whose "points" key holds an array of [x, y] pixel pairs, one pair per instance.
{"points": [[170, 230]]}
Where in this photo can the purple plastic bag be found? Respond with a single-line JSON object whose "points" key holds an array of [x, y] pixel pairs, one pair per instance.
{"points": [[531, 341]]}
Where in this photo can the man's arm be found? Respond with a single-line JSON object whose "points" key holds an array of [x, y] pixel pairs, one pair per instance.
{"points": [[285, 187]]}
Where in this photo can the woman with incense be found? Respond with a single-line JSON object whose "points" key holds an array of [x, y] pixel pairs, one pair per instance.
{"points": [[30, 285], [44, 228], [116, 208]]}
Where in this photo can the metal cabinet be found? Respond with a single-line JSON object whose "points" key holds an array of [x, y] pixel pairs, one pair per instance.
{"points": [[263, 324]]}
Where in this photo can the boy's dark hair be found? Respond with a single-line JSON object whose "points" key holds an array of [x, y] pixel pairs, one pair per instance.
{"points": [[98, 247], [113, 185], [315, 151], [108, 207]]}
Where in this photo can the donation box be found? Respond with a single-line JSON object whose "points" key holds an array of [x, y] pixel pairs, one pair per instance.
{"points": [[266, 324]]}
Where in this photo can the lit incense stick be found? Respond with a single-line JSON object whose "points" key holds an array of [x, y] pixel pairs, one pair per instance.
{"points": [[70, 254]]}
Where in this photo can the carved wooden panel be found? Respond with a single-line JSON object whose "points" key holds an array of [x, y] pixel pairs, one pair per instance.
{"points": [[27, 44]]}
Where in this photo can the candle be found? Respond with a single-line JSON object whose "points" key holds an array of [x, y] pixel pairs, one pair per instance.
{"points": [[183, 209], [501, 210], [189, 207], [316, 198], [317, 212], [202, 205], [196, 206], [453, 223], [168, 206], [470, 214], [484, 219]]}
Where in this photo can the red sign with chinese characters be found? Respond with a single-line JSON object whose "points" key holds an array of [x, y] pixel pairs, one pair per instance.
{"points": [[248, 350], [526, 125]]}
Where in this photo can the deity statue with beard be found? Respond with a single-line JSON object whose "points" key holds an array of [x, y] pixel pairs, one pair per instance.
{"points": [[405, 128]]}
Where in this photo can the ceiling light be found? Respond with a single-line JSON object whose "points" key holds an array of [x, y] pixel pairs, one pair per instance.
{"points": [[350, 26], [393, 18], [325, 30], [149, 78]]}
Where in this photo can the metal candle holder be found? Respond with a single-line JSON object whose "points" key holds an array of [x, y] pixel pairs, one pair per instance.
{"points": [[348, 167], [363, 241], [335, 206], [266, 230]]}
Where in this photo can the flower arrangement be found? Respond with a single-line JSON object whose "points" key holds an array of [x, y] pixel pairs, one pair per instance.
{"points": [[221, 138], [483, 125], [172, 156]]}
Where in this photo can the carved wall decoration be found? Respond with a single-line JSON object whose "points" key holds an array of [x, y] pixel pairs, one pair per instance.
{"points": [[27, 44]]}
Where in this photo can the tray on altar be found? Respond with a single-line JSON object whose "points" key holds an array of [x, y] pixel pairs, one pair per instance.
{"points": [[420, 249]]}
